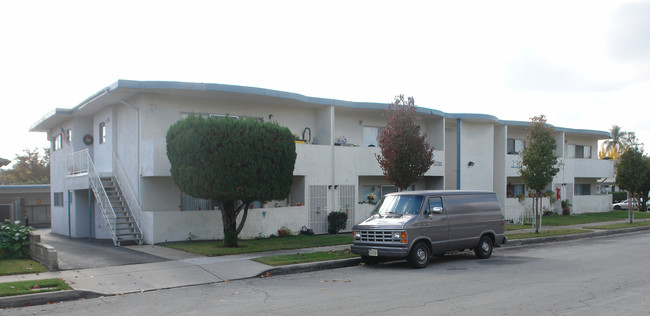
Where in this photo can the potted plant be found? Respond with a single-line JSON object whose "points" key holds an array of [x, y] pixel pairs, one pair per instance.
{"points": [[371, 197], [566, 207]]}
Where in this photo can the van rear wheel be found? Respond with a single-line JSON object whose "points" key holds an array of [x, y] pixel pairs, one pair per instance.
{"points": [[484, 248], [419, 256]]}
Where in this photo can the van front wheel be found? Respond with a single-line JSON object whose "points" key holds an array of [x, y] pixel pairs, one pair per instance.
{"points": [[419, 256], [484, 248]]}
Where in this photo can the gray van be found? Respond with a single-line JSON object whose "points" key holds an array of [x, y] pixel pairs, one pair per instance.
{"points": [[418, 224]]}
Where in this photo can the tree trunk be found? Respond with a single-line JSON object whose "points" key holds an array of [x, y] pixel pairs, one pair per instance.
{"points": [[229, 219], [538, 214]]}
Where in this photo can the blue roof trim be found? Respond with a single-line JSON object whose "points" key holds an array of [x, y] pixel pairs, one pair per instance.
{"points": [[25, 186]]}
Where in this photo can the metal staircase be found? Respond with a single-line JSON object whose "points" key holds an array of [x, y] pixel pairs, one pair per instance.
{"points": [[115, 198], [124, 228]]}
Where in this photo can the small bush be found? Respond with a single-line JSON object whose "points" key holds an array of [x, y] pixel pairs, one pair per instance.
{"points": [[619, 196], [14, 240], [337, 221]]}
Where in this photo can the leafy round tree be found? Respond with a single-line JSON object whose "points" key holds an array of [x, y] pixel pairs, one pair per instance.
{"points": [[405, 153], [538, 162], [232, 162], [633, 175]]}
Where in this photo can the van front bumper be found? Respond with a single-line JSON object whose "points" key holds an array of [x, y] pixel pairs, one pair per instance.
{"points": [[382, 251]]}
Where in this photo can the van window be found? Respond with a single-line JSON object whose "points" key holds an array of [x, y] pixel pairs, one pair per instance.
{"points": [[399, 204], [434, 205]]}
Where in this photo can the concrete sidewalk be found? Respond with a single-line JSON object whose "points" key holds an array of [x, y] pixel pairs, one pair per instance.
{"points": [[183, 269]]}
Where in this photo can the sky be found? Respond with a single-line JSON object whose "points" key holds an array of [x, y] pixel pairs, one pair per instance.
{"points": [[583, 64]]}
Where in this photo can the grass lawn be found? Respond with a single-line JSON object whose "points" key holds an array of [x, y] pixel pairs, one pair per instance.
{"points": [[563, 220], [215, 247], [34, 286], [282, 260], [20, 266], [547, 233], [622, 225]]}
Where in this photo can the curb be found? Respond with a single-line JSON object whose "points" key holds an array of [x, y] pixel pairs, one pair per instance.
{"points": [[309, 267], [600, 233], [47, 297]]}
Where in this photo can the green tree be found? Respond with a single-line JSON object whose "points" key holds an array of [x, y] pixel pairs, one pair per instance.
{"points": [[538, 162], [633, 175], [232, 162], [618, 140], [29, 168], [405, 154]]}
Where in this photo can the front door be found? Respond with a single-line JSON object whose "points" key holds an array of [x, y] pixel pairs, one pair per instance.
{"points": [[318, 208]]}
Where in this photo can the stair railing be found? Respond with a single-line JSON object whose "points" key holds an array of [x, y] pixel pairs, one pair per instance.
{"points": [[127, 192], [102, 198]]}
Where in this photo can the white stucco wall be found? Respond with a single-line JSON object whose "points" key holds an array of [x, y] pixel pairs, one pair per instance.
{"points": [[477, 146], [177, 225]]}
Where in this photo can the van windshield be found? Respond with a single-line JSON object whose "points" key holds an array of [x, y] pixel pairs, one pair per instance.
{"points": [[399, 204]]}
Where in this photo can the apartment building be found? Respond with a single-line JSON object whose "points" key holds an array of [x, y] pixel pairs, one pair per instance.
{"points": [[110, 171]]}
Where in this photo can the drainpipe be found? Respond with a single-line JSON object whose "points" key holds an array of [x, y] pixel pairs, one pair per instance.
{"points": [[90, 214], [69, 220], [137, 123], [457, 154]]}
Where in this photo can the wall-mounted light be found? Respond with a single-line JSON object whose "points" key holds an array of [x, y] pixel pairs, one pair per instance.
{"points": [[329, 187], [470, 164], [336, 186]]}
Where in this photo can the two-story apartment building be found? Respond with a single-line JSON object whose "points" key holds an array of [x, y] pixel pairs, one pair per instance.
{"points": [[111, 176]]}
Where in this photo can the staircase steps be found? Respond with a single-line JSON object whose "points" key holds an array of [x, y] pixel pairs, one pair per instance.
{"points": [[125, 230]]}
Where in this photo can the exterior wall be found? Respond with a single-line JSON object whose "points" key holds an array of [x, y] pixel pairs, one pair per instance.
{"points": [[451, 156], [174, 226], [500, 177], [103, 152], [477, 147]]}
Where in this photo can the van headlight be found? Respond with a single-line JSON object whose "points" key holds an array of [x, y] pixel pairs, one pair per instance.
{"points": [[400, 236], [357, 235]]}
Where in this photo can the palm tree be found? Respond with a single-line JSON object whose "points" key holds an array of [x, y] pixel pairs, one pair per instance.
{"points": [[618, 141]]}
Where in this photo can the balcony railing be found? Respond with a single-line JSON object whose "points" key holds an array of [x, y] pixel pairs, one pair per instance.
{"points": [[77, 162]]}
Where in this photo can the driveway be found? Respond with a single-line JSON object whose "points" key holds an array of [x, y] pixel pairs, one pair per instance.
{"points": [[81, 253]]}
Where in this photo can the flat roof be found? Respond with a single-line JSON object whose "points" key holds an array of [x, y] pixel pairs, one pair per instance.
{"points": [[124, 89]]}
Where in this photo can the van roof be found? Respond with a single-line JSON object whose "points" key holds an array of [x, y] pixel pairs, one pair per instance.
{"points": [[442, 192]]}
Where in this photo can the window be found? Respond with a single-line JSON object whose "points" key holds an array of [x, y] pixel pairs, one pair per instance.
{"points": [[434, 205], [579, 151], [58, 140], [582, 189], [515, 146], [370, 135], [68, 136], [58, 198], [102, 132], [190, 203], [514, 190]]}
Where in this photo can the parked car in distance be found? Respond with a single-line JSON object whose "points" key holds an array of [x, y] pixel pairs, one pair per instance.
{"points": [[624, 205], [419, 224]]}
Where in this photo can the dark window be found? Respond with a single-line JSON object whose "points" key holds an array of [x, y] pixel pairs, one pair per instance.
{"points": [[582, 189], [102, 132], [58, 198]]}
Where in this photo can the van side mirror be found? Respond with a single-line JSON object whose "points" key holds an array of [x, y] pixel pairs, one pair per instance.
{"points": [[437, 210]]}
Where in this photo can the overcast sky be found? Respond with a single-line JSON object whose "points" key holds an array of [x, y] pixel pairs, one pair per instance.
{"points": [[584, 64]]}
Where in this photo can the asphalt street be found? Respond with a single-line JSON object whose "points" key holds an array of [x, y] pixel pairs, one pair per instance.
{"points": [[594, 276]]}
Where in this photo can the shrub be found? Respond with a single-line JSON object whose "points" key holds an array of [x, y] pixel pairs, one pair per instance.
{"points": [[619, 196], [14, 240], [337, 221]]}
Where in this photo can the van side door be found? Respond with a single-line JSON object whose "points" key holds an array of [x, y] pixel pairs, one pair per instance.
{"points": [[435, 226]]}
